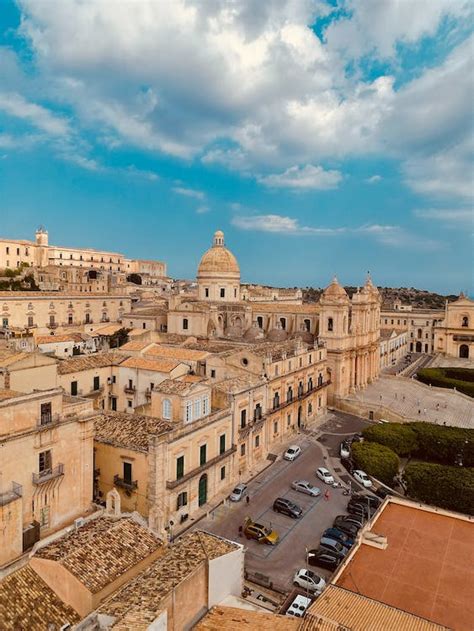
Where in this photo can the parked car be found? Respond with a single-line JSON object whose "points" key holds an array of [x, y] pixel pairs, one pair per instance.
{"points": [[260, 533], [323, 558], [362, 478], [325, 475], [333, 546], [347, 464], [238, 493], [357, 510], [383, 492], [344, 449], [292, 453], [356, 519], [303, 486], [338, 535], [368, 500], [287, 507], [348, 527], [298, 606], [309, 580]]}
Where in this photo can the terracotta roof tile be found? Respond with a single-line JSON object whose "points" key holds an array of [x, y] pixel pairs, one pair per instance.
{"points": [[54, 339], [88, 362], [176, 352], [135, 345], [159, 365], [131, 431], [27, 603], [175, 386], [231, 618]]}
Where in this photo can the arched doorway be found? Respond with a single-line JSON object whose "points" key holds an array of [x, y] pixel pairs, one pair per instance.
{"points": [[300, 414], [202, 495], [418, 347], [464, 351]]}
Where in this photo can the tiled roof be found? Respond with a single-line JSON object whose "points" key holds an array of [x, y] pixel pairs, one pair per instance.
{"points": [[135, 345], [28, 604], [174, 386], [88, 362], [9, 394], [232, 619], [130, 431], [8, 357], [151, 311], [338, 608], [54, 339], [145, 593], [102, 550], [159, 365], [237, 384], [108, 329], [176, 352], [386, 334]]}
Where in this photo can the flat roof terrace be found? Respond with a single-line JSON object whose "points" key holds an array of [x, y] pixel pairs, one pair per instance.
{"points": [[427, 568]]}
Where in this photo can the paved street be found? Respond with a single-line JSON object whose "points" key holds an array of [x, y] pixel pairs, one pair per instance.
{"points": [[280, 562]]}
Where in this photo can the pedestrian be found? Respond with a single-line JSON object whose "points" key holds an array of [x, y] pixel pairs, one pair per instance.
{"points": [[247, 499], [419, 411], [326, 495], [424, 410]]}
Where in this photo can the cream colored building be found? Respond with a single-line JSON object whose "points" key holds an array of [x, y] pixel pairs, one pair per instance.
{"points": [[393, 347], [418, 324], [46, 465], [454, 334]]}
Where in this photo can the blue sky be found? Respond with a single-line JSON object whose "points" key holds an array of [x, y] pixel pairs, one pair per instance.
{"points": [[323, 137]]}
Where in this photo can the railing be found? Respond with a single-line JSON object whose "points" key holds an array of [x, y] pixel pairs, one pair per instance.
{"points": [[130, 389], [172, 484], [148, 393], [300, 397], [131, 485], [48, 474], [14, 492], [48, 420], [52, 325]]}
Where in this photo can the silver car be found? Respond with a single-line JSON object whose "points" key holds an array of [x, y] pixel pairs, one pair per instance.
{"points": [[303, 486], [238, 493]]}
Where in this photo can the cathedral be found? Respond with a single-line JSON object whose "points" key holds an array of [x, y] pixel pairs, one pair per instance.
{"points": [[349, 327]]}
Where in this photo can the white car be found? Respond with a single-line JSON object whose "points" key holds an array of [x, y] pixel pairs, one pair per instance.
{"points": [[362, 478], [324, 475], [344, 450], [238, 493], [292, 452], [303, 486], [309, 580]]}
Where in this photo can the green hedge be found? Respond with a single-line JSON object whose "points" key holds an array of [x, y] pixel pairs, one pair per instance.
{"points": [[400, 438], [446, 487], [460, 378], [376, 460]]}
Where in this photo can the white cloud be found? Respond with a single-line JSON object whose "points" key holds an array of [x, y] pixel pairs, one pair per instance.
{"points": [[447, 215], [201, 210], [189, 192], [373, 179], [18, 107], [299, 178]]}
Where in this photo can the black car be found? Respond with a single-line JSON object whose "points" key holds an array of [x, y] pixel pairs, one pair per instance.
{"points": [[382, 492], [358, 519], [368, 500], [338, 535], [357, 508], [323, 558], [347, 464], [287, 507], [350, 528]]}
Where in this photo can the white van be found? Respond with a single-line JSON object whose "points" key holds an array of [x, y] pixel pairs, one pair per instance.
{"points": [[298, 607]]}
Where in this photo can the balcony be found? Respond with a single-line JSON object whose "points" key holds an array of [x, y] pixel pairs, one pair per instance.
{"points": [[48, 420], [13, 493], [48, 474], [130, 389], [148, 393], [172, 484], [126, 484], [52, 325], [300, 397], [95, 392]]}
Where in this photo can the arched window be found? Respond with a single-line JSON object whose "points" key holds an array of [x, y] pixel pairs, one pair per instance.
{"points": [[320, 379], [283, 323], [166, 408], [276, 400], [464, 351], [300, 389], [310, 383], [307, 324], [185, 324], [289, 394], [465, 321], [330, 324], [420, 333]]}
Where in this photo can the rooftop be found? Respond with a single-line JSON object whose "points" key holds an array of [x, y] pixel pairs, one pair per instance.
{"points": [[231, 618], [108, 329], [237, 384], [87, 362], [9, 394], [27, 603], [158, 365], [176, 352], [135, 345], [427, 568], [175, 386], [130, 431], [102, 550], [144, 594], [339, 608], [55, 339]]}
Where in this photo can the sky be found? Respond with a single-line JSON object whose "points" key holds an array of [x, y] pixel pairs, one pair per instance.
{"points": [[323, 137]]}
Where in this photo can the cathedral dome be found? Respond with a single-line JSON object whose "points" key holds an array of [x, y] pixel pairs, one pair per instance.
{"points": [[335, 290], [218, 259]]}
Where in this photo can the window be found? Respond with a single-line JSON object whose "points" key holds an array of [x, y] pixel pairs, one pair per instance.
{"points": [[310, 359], [260, 322], [276, 400], [330, 324], [185, 324], [5, 322], [181, 500], [206, 292], [30, 320], [283, 323], [289, 394], [222, 292], [96, 383], [222, 444], [275, 427], [310, 408], [127, 472], [465, 321], [202, 454], [213, 374], [288, 420], [129, 403], [166, 405], [70, 319], [257, 414], [310, 383], [189, 411], [242, 449], [46, 413], [243, 418], [45, 461], [179, 467], [51, 319], [257, 441], [197, 408], [222, 473], [74, 388], [8, 250], [205, 405], [88, 318]]}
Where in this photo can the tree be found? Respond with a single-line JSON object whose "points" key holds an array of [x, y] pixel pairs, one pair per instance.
{"points": [[119, 338], [376, 460], [400, 437]]}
